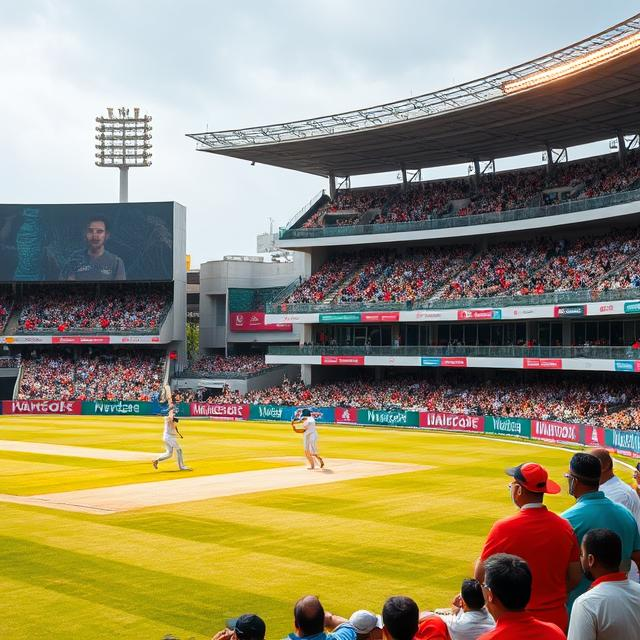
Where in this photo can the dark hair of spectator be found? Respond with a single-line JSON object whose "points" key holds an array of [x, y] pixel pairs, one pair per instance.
{"points": [[605, 546], [471, 593], [587, 469], [509, 579], [400, 616], [308, 614]]}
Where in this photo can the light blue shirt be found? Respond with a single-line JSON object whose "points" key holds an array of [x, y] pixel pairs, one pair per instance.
{"points": [[344, 631], [595, 511]]}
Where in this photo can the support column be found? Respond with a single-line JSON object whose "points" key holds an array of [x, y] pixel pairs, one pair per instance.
{"points": [[305, 374], [549, 160], [566, 333], [124, 184], [476, 172], [332, 185], [622, 149], [404, 178]]}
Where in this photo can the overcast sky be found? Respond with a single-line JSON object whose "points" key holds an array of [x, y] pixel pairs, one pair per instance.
{"points": [[213, 65]]}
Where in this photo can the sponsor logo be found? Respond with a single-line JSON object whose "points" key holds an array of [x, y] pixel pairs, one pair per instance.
{"points": [[525, 311], [624, 365], [81, 339], [479, 314], [346, 415], [593, 436], [392, 316], [453, 362], [626, 440], [387, 417], [339, 317], [632, 307], [343, 360], [254, 321], [137, 339], [605, 308], [122, 408], [429, 362], [292, 319], [451, 421], [229, 411], [556, 431], [270, 412], [42, 406], [507, 425], [570, 310], [425, 315], [542, 363]]}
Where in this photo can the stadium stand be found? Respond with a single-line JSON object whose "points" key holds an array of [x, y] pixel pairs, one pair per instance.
{"points": [[608, 261], [107, 309], [6, 306], [611, 404], [497, 193], [211, 365], [119, 375]]}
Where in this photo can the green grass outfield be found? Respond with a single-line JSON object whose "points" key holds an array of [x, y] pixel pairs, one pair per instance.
{"points": [[182, 569]]}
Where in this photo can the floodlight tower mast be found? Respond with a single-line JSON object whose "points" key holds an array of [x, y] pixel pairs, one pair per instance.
{"points": [[123, 141]]}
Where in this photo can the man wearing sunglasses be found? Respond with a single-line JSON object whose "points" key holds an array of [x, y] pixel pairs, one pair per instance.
{"points": [[593, 510]]}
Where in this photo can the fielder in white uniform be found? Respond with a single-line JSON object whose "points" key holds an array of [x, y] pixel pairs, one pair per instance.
{"points": [[307, 425], [170, 438]]}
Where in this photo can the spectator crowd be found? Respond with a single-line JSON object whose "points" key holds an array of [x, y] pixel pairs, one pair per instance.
{"points": [[535, 267], [613, 405], [211, 365], [120, 375], [495, 192], [109, 309]]}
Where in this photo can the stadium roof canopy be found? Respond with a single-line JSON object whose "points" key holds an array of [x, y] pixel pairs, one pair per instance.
{"points": [[585, 92]]}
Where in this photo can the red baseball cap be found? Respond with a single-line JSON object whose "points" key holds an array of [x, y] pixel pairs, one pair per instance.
{"points": [[534, 478]]}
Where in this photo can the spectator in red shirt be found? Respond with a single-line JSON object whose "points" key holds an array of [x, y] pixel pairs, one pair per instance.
{"points": [[542, 539], [507, 589]]}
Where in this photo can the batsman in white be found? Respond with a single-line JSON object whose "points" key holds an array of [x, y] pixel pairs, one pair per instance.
{"points": [[170, 437], [306, 424]]}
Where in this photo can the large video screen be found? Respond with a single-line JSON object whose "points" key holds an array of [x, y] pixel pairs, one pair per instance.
{"points": [[88, 242]]}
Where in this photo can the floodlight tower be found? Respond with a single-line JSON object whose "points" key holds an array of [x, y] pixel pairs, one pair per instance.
{"points": [[123, 141]]}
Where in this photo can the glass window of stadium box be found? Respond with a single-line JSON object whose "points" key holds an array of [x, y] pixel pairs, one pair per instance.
{"points": [[550, 334]]}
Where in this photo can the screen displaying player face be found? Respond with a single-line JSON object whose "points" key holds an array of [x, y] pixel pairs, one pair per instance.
{"points": [[40, 243]]}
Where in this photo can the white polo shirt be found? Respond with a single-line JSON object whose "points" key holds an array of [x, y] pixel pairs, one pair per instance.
{"points": [[608, 611], [469, 625], [618, 491]]}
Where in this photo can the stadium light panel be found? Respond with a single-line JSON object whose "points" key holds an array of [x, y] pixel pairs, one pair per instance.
{"points": [[592, 59]]}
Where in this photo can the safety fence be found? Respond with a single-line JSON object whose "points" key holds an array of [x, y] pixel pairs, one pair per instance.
{"points": [[626, 442]]}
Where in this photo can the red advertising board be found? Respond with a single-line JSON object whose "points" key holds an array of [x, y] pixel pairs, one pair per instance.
{"points": [[346, 415], [555, 431], [220, 411], [476, 314], [356, 361], [73, 407], [451, 421], [593, 436], [389, 316], [542, 363], [453, 362], [254, 321], [80, 340]]}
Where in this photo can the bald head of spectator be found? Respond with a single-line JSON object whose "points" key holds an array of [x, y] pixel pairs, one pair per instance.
{"points": [[308, 616], [606, 464]]}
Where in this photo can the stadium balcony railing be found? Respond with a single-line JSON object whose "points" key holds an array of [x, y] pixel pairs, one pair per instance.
{"points": [[460, 350], [557, 297], [447, 222]]}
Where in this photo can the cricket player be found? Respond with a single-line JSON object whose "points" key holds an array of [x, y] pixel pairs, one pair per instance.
{"points": [[306, 424], [170, 438]]}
